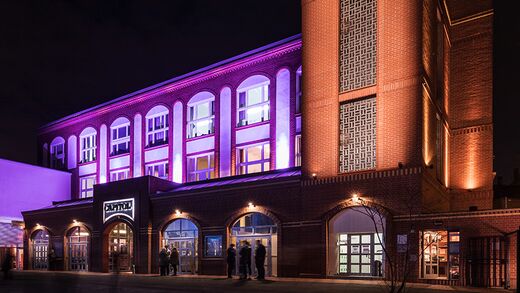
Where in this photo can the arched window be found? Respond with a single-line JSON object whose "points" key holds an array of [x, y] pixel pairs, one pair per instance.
{"points": [[88, 145], [157, 124], [183, 234], [201, 115], [120, 137], [253, 100], [57, 152]]}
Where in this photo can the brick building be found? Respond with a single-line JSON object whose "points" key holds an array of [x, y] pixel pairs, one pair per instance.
{"points": [[395, 114]]}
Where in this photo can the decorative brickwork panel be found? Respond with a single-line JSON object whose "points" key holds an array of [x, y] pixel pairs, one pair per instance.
{"points": [[357, 150], [358, 44]]}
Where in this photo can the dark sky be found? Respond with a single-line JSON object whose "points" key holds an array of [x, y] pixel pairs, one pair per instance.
{"points": [[60, 57]]}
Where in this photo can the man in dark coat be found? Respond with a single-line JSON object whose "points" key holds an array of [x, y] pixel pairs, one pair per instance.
{"points": [[174, 260], [245, 261], [231, 259], [260, 253], [163, 261]]}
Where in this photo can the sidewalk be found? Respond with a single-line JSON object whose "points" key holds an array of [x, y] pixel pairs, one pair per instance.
{"points": [[286, 280]]}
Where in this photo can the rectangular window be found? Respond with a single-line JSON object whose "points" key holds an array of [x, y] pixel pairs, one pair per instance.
{"points": [[357, 147], [201, 119], [201, 167], [358, 44], [213, 246], [87, 186], [88, 148], [119, 175], [58, 156], [298, 150], [120, 142], [160, 170], [440, 255], [253, 159], [299, 91], [253, 105], [157, 130]]}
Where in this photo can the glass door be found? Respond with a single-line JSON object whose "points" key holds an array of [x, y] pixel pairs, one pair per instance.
{"points": [[360, 254], [187, 254], [266, 241], [120, 248]]}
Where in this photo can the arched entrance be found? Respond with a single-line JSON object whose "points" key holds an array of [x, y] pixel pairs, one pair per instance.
{"points": [[252, 227], [120, 248], [40, 250], [78, 240], [183, 234], [355, 246]]}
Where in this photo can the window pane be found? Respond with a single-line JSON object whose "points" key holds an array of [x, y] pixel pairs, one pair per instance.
{"points": [[255, 96], [254, 168], [267, 151], [202, 163], [254, 153]]}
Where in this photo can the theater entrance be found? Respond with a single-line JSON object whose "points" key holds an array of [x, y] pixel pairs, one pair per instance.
{"points": [[40, 250], [252, 228], [183, 235], [120, 248]]}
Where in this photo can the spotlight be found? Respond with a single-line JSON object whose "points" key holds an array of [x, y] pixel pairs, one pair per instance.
{"points": [[250, 205], [178, 213], [314, 175], [75, 221]]}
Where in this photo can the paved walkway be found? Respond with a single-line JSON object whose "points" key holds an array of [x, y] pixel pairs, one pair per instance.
{"points": [[39, 281]]}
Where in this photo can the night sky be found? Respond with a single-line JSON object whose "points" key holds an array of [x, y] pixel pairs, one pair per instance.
{"points": [[60, 57]]}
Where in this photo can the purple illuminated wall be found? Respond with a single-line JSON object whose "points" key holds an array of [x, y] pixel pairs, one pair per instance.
{"points": [[26, 187]]}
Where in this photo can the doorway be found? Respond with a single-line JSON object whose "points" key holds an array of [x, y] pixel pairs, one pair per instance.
{"points": [[78, 241], [40, 250], [120, 248], [250, 229], [183, 235]]}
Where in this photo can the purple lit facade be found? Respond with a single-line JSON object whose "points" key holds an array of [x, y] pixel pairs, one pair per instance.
{"points": [[167, 129]]}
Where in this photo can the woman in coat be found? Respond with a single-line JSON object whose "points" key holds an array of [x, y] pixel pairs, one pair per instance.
{"points": [[174, 260]]}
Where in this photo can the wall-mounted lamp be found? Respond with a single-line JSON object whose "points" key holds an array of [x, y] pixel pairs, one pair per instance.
{"points": [[314, 175], [400, 165], [178, 213], [38, 225], [75, 221], [250, 205]]}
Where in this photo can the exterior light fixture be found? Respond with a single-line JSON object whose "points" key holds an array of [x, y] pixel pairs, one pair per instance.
{"points": [[250, 205], [178, 213], [38, 225], [75, 221], [314, 175], [356, 199]]}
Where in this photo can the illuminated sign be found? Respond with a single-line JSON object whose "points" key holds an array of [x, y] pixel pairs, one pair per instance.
{"points": [[120, 207]]}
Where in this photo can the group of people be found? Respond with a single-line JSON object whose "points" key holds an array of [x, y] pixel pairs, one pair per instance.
{"points": [[245, 260], [168, 258]]}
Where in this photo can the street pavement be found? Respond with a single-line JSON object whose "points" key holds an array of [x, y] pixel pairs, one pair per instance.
{"points": [[58, 282]]}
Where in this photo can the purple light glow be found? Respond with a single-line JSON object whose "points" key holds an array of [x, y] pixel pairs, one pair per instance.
{"points": [[28, 187]]}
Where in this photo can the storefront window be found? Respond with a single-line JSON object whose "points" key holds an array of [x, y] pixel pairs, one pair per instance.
{"points": [[213, 246], [440, 255]]}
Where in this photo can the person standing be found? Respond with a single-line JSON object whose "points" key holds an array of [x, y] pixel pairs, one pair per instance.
{"points": [[260, 253], [7, 265], [231, 260], [52, 259], [245, 260], [163, 261], [174, 260]]}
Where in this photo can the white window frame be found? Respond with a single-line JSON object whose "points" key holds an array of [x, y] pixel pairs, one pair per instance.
{"points": [[298, 150], [164, 116], [115, 142], [88, 153], [247, 163], [263, 106], [54, 157], [206, 119], [153, 165], [207, 171], [114, 175], [86, 192]]}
